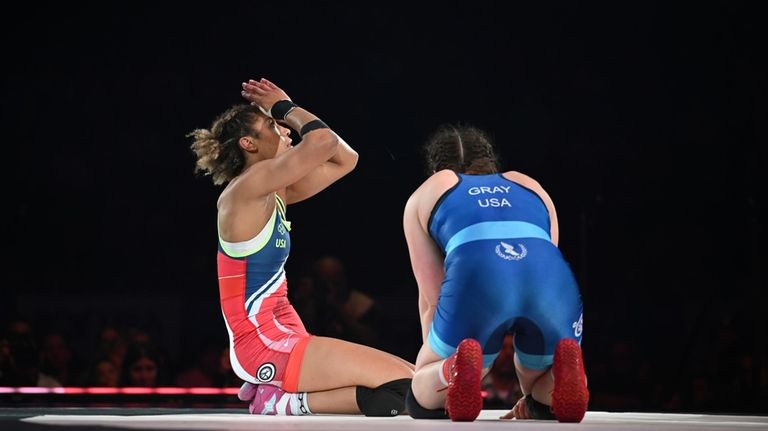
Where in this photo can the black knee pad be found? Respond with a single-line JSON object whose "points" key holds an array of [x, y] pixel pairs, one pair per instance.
{"points": [[386, 400], [418, 412]]}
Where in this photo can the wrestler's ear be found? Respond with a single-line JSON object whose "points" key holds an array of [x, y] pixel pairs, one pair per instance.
{"points": [[249, 144]]}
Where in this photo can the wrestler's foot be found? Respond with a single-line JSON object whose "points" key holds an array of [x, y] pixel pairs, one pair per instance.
{"points": [[265, 400], [247, 391], [570, 396], [464, 401], [271, 400]]}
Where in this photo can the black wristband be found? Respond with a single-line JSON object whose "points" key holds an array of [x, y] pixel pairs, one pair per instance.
{"points": [[312, 125], [281, 109]]}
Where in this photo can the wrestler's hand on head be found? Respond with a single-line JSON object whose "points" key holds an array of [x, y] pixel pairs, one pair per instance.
{"points": [[263, 93]]}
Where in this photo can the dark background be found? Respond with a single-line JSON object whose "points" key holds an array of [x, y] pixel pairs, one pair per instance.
{"points": [[645, 122]]}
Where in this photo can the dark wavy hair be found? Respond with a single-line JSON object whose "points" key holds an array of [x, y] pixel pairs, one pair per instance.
{"points": [[136, 351], [217, 150], [460, 148]]}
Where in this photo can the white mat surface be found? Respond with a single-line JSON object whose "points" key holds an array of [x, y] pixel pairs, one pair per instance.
{"points": [[488, 420]]}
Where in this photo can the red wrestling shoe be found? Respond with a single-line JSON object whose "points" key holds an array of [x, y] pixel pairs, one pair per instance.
{"points": [[570, 396], [464, 401]]}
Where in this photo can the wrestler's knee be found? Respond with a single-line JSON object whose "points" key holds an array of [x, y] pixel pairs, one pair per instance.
{"points": [[385, 400], [416, 411]]}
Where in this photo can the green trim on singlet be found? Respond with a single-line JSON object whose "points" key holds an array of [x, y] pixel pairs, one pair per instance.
{"points": [[281, 204], [269, 227], [283, 209]]}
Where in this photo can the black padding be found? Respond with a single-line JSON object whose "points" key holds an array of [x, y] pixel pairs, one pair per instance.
{"points": [[386, 400], [281, 108], [312, 125], [537, 410], [418, 412]]}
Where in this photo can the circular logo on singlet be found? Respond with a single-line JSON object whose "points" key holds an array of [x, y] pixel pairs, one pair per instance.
{"points": [[578, 325], [511, 251], [266, 372]]}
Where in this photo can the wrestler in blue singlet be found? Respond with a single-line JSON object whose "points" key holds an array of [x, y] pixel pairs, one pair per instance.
{"points": [[495, 235]]}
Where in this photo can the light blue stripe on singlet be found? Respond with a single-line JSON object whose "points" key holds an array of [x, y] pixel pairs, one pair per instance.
{"points": [[534, 362], [438, 345], [495, 230], [445, 350]]}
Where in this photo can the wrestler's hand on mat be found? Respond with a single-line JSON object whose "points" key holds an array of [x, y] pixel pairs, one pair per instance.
{"points": [[518, 411], [263, 93]]}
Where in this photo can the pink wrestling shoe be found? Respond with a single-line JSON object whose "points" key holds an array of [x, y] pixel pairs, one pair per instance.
{"points": [[570, 396], [266, 401], [247, 391], [464, 401]]}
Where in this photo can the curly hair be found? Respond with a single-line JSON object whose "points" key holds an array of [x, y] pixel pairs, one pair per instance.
{"points": [[460, 148], [217, 150]]}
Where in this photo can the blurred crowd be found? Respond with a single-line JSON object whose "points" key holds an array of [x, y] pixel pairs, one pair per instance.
{"points": [[126, 357], [725, 373]]}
